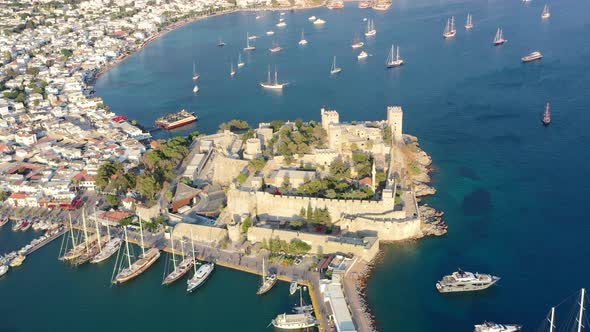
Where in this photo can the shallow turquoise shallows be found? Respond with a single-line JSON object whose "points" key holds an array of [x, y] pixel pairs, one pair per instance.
{"points": [[515, 193]]}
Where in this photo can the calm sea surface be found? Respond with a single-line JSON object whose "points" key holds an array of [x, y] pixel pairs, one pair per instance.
{"points": [[514, 192]]}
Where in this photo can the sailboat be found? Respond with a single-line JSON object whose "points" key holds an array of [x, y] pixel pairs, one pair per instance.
{"points": [[195, 89], [362, 55], [221, 43], [357, 43], [182, 268], [201, 275], [93, 246], [547, 116], [248, 46], [370, 29], [295, 321], [108, 249], [240, 62], [335, 70], [394, 60], [546, 14], [195, 75], [275, 48], [77, 248], [302, 41], [269, 84], [232, 71], [469, 23], [499, 38], [450, 30], [145, 260], [267, 280]]}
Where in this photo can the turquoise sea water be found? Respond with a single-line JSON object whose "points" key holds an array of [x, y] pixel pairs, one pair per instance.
{"points": [[514, 192]]}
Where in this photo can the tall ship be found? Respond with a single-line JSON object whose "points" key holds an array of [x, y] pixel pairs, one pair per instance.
{"points": [[545, 14], [493, 327], [201, 275], [300, 320], [393, 60], [462, 281], [107, 251], [175, 120], [499, 38], [268, 280], [145, 260], [77, 249], [533, 56], [450, 30], [546, 116], [370, 29], [93, 246], [334, 69], [275, 85], [469, 23], [182, 268], [248, 46]]}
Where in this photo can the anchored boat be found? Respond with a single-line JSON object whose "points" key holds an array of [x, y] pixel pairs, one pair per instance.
{"points": [[182, 268], [493, 327], [267, 280], [335, 70], [462, 281], [201, 275], [394, 60], [499, 38], [533, 56], [450, 30], [269, 84], [145, 260], [546, 116], [469, 23]]}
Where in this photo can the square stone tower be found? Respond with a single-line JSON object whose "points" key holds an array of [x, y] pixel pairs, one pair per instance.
{"points": [[395, 117], [329, 117]]}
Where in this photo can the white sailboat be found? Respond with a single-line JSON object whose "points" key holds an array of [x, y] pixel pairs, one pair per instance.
{"points": [[450, 30], [195, 75], [335, 70], [248, 46], [145, 260], [357, 42], [240, 62], [363, 55], [185, 265], [469, 23], [269, 84], [267, 280], [302, 41], [195, 89], [275, 48], [232, 71], [394, 60], [319, 21], [546, 14], [499, 38], [270, 33], [370, 29], [201, 275], [108, 249]]}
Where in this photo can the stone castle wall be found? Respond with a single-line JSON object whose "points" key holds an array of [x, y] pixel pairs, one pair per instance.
{"points": [[320, 243], [371, 218]]}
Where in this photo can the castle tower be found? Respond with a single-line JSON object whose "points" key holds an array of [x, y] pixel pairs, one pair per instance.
{"points": [[395, 117], [329, 117]]}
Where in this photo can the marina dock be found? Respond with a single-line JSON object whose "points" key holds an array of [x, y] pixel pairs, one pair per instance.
{"points": [[46, 241]]}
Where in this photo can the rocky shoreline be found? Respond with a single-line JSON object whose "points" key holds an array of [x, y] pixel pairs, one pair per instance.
{"points": [[420, 164]]}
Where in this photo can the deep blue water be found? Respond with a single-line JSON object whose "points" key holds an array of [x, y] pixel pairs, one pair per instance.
{"points": [[513, 191]]}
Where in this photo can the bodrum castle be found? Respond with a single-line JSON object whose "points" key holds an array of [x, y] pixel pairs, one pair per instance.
{"points": [[338, 187]]}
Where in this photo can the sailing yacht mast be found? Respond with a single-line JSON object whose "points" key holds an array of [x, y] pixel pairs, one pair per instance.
{"points": [[127, 246], [581, 315], [173, 257], [72, 231], [276, 76], [552, 320], [194, 255], [141, 235], [97, 232], [85, 230]]}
